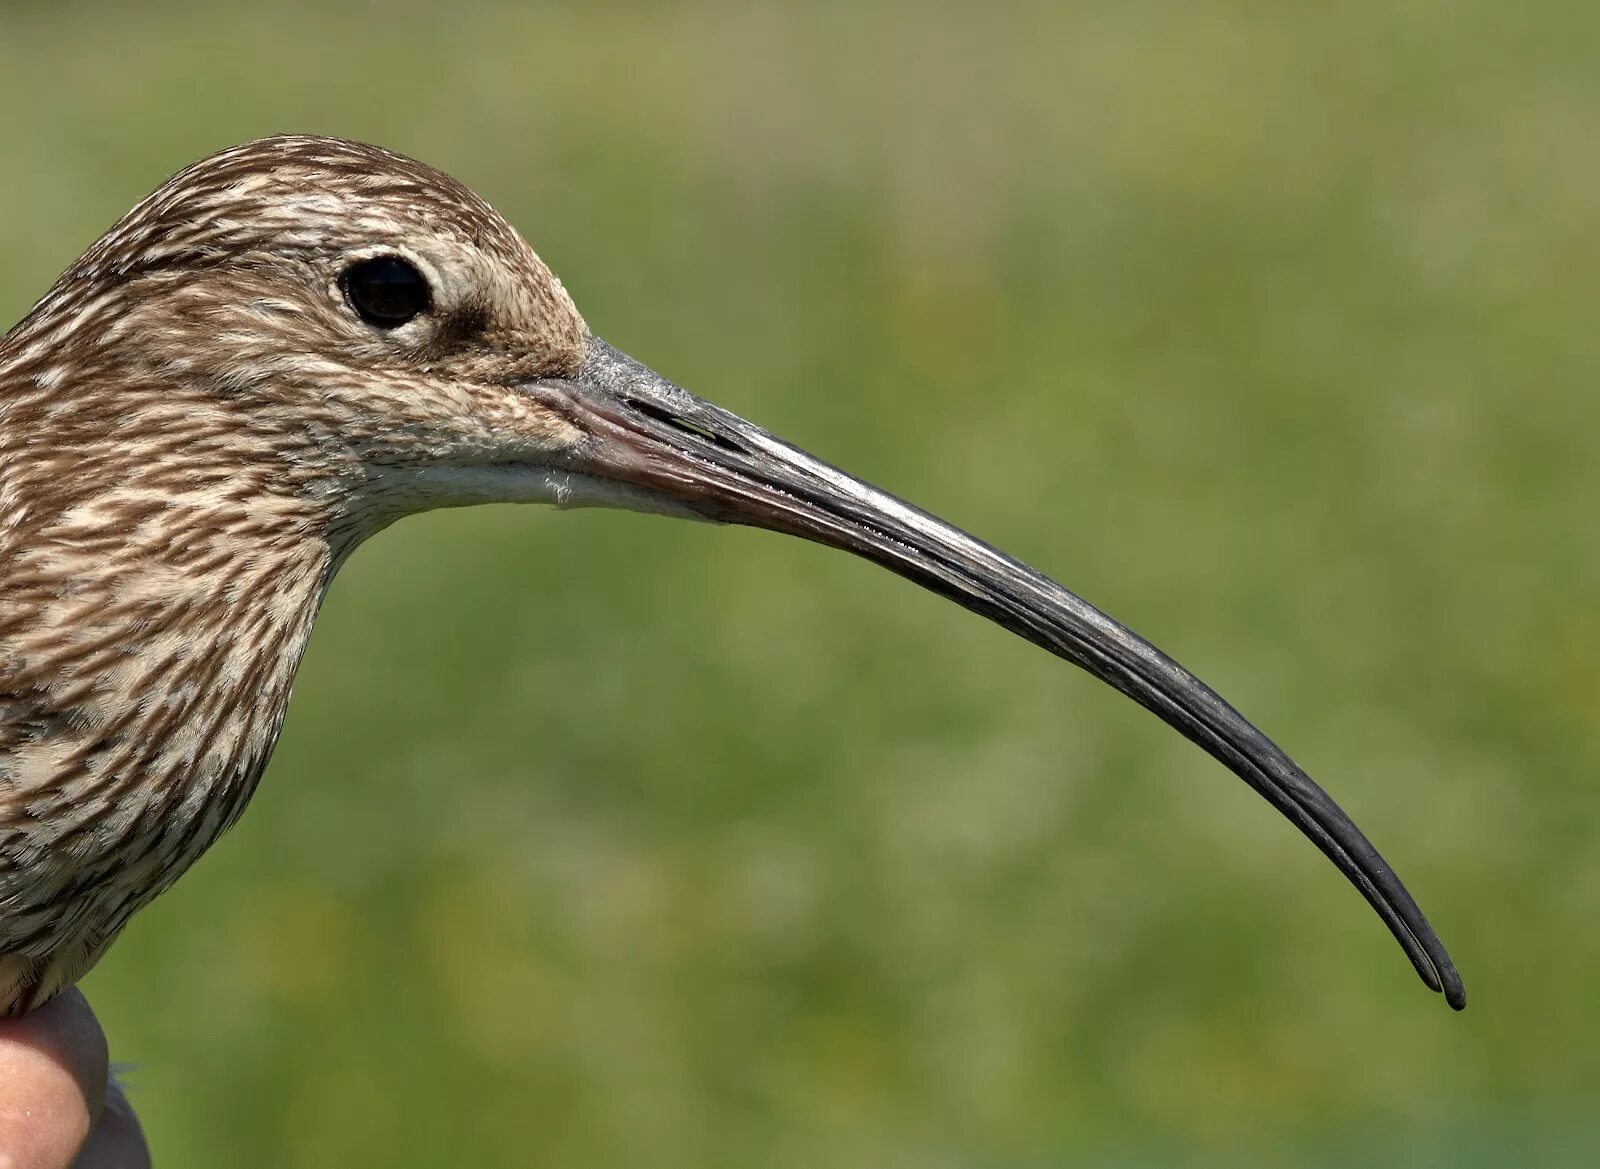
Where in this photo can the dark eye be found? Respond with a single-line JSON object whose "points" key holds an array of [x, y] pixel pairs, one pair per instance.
{"points": [[386, 291]]}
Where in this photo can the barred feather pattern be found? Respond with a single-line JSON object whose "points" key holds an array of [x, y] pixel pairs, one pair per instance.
{"points": [[195, 431]]}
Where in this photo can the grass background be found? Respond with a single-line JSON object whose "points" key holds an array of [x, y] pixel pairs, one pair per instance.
{"points": [[597, 839]]}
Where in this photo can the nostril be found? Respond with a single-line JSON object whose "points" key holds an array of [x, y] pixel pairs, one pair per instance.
{"points": [[683, 425]]}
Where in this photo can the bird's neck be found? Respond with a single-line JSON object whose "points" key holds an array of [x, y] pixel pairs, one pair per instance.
{"points": [[151, 621]]}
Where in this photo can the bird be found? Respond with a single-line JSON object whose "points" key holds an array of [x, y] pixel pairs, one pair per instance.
{"points": [[288, 346]]}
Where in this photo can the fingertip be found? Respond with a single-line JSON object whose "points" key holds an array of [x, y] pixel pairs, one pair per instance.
{"points": [[52, 1082]]}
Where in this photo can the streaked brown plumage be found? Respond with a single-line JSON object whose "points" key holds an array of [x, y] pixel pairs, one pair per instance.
{"points": [[197, 426]]}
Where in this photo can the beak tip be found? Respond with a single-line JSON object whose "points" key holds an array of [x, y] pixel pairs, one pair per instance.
{"points": [[1440, 975]]}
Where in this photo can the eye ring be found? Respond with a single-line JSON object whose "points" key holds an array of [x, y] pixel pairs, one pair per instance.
{"points": [[385, 291]]}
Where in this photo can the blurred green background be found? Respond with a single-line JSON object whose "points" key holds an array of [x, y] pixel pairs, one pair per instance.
{"points": [[596, 839]]}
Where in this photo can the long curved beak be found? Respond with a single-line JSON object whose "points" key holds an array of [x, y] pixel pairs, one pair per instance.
{"points": [[692, 457]]}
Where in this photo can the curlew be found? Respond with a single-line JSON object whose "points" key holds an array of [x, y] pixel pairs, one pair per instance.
{"points": [[288, 346]]}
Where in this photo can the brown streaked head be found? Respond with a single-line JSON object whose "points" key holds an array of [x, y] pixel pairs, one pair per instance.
{"points": [[333, 336]]}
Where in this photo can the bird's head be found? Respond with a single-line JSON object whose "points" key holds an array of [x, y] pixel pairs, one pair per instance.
{"points": [[333, 330], [345, 323]]}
